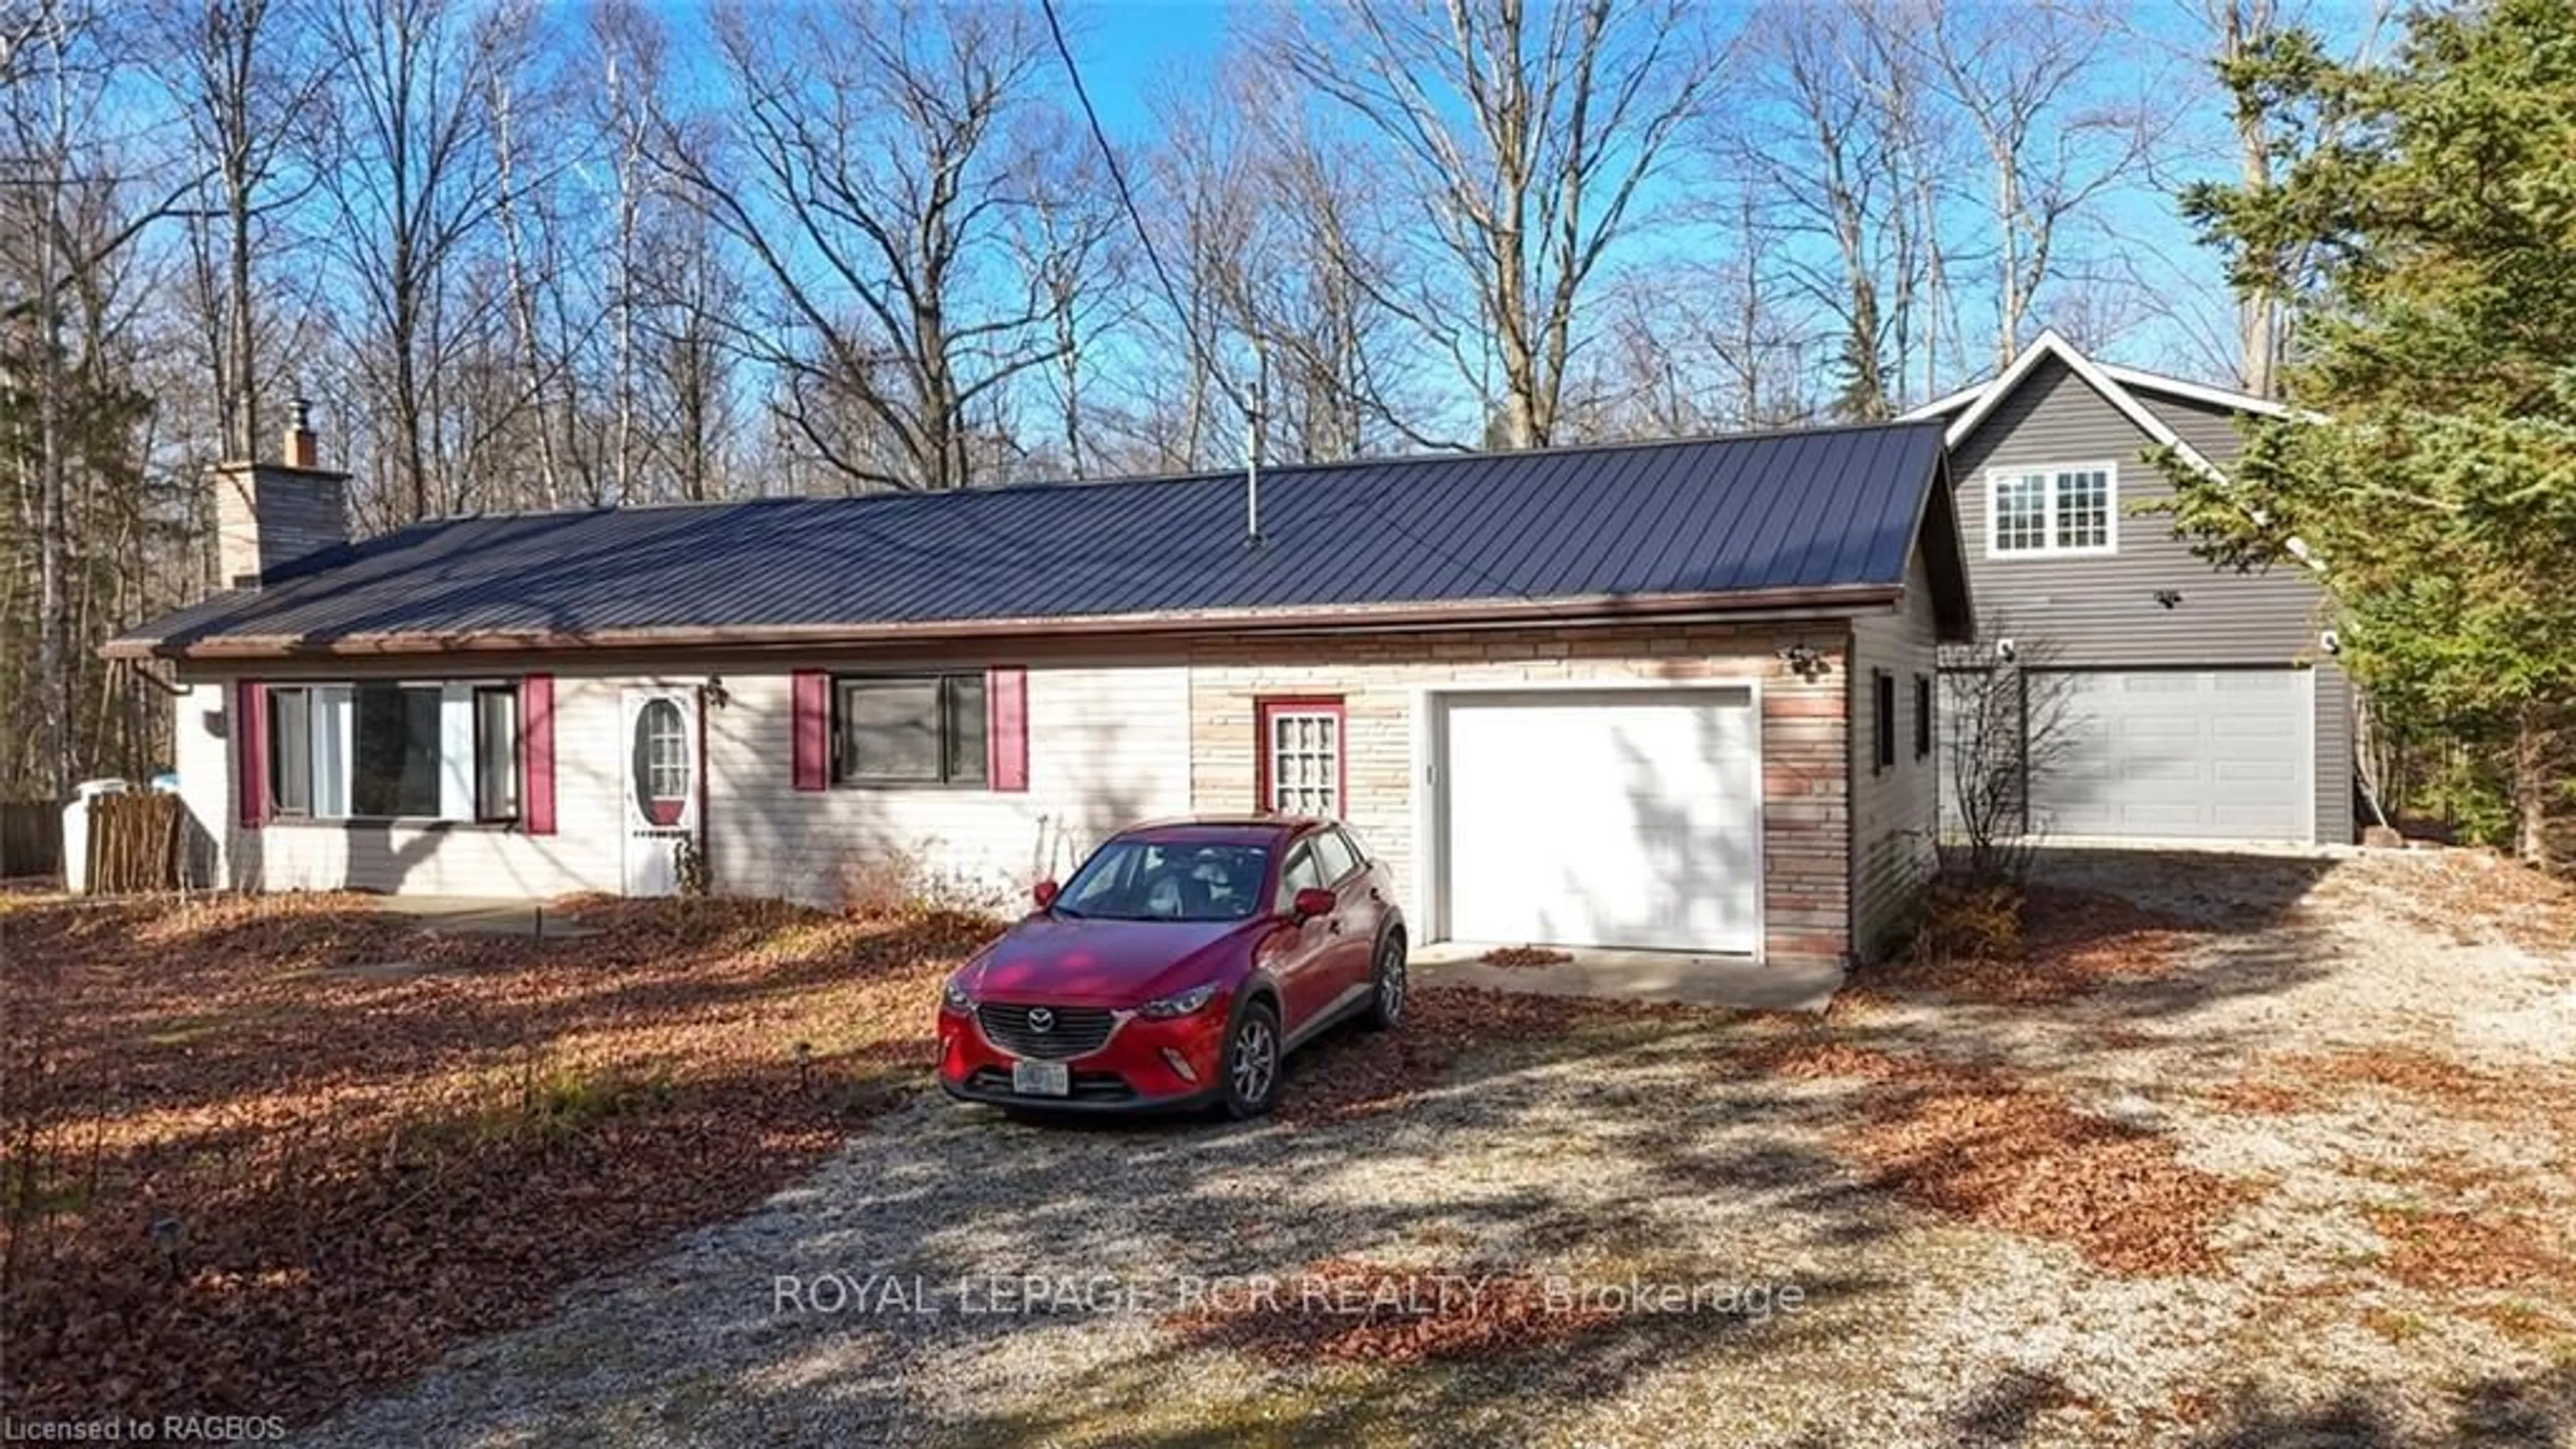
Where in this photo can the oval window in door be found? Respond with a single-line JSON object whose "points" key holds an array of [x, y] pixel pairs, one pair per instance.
{"points": [[662, 762]]}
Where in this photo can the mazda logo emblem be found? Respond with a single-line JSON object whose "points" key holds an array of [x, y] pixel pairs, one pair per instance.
{"points": [[1041, 1019]]}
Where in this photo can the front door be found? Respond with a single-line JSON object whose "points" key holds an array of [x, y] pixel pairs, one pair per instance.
{"points": [[661, 786]]}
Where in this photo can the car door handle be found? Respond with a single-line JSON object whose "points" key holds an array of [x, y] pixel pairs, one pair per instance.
{"points": [[1334, 925]]}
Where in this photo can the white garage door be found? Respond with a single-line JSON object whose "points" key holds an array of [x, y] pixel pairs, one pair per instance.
{"points": [[1623, 818], [2219, 755]]}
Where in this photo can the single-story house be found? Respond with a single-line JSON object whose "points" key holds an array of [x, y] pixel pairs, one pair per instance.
{"points": [[1667, 695], [2181, 700]]}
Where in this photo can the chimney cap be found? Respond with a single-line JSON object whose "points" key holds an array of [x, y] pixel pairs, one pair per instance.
{"points": [[302, 449]]}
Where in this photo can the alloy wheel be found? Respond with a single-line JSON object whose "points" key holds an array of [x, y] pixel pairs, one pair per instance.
{"points": [[1256, 1059], [1390, 982]]}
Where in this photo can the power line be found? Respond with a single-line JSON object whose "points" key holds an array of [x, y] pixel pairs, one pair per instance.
{"points": [[1118, 178], [1172, 295]]}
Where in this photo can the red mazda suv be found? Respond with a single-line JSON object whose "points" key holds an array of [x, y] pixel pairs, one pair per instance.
{"points": [[1177, 969]]}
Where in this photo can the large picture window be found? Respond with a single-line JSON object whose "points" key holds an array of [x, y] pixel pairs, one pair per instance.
{"points": [[2055, 510], [914, 730], [394, 751], [393, 771]]}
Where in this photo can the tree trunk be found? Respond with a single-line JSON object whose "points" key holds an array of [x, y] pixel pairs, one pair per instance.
{"points": [[2537, 781]]}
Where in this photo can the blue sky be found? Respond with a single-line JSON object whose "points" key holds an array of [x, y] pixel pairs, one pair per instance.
{"points": [[1127, 50]]}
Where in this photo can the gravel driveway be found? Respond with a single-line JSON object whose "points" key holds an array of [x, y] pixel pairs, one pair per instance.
{"points": [[888, 1299]]}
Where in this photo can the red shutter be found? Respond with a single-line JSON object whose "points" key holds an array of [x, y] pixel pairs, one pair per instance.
{"points": [[537, 753], [1006, 729], [810, 703], [250, 752]]}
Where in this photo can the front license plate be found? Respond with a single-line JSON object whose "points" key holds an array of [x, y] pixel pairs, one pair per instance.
{"points": [[1041, 1079]]}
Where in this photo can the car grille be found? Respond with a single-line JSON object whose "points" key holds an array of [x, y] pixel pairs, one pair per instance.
{"points": [[1085, 1086], [1071, 1031]]}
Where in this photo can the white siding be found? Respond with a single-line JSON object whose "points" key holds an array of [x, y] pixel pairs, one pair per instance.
{"points": [[454, 859], [1108, 746], [202, 753]]}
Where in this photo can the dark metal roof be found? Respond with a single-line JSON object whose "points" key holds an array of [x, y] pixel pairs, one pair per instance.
{"points": [[1770, 518]]}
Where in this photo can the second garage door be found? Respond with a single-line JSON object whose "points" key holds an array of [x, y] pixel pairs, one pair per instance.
{"points": [[2207, 754], [1623, 818]]}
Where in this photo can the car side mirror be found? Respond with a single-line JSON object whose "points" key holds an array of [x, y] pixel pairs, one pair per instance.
{"points": [[1312, 902], [1045, 893]]}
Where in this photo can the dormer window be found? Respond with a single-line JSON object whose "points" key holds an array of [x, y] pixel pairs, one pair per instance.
{"points": [[2038, 512]]}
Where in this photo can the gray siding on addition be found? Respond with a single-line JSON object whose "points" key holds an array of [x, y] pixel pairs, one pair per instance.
{"points": [[2206, 426], [2099, 611]]}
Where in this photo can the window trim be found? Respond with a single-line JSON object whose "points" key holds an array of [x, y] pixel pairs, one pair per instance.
{"points": [[1996, 477], [1269, 707], [474, 686], [474, 694], [1882, 719], [1923, 703], [842, 776], [275, 740]]}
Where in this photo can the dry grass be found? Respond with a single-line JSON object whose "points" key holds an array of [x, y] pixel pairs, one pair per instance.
{"points": [[2061, 944], [1991, 1147], [2466, 894], [2502, 1222], [265, 1152], [2494, 1247], [1525, 956]]}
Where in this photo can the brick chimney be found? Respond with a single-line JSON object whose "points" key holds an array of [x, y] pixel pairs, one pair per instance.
{"points": [[270, 515]]}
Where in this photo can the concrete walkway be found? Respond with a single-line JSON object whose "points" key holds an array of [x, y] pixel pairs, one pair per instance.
{"points": [[486, 916], [1703, 980]]}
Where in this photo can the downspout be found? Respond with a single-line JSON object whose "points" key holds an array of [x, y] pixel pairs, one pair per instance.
{"points": [[710, 693]]}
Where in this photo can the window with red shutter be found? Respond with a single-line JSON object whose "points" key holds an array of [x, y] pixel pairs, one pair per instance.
{"points": [[810, 729], [250, 753], [537, 753], [1006, 729]]}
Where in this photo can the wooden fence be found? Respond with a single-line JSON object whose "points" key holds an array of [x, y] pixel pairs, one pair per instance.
{"points": [[134, 843], [31, 838]]}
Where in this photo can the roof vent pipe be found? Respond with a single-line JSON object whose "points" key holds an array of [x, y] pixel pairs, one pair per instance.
{"points": [[1252, 448], [1252, 485]]}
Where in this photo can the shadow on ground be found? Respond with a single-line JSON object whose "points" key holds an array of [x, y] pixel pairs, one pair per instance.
{"points": [[1616, 1147]]}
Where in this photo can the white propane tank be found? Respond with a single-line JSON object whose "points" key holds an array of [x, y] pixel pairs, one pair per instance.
{"points": [[76, 831]]}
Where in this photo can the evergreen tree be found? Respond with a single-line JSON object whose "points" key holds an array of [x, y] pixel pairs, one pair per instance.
{"points": [[2434, 208]]}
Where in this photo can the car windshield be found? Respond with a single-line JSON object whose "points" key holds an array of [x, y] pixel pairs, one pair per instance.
{"points": [[1139, 880]]}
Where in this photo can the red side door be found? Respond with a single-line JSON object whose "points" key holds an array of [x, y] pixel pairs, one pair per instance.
{"points": [[1362, 912], [1307, 961]]}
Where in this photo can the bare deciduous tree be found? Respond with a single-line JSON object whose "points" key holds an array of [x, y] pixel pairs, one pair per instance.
{"points": [[2027, 82], [2006, 724], [409, 163], [1829, 158], [237, 71], [1526, 139], [877, 162]]}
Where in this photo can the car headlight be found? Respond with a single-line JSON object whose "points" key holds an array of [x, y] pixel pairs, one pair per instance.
{"points": [[953, 997], [1181, 1005]]}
